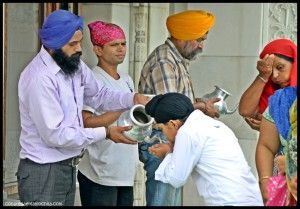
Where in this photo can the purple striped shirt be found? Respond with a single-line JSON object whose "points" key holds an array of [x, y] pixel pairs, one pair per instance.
{"points": [[50, 105]]}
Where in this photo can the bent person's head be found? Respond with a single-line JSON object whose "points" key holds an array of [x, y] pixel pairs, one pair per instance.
{"points": [[170, 109]]}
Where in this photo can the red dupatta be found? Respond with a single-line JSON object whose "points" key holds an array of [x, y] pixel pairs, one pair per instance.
{"points": [[283, 47]]}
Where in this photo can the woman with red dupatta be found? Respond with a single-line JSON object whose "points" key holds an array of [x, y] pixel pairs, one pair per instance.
{"points": [[277, 69]]}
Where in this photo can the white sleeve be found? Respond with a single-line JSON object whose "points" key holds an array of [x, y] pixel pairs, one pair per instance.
{"points": [[88, 108], [177, 166]]}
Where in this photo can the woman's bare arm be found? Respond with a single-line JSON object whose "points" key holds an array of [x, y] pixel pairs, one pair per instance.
{"points": [[267, 146], [248, 106]]}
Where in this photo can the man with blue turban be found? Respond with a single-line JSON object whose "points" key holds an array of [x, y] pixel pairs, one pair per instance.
{"points": [[52, 90]]}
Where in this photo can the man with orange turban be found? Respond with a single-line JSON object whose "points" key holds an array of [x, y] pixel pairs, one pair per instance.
{"points": [[166, 70], [190, 25]]}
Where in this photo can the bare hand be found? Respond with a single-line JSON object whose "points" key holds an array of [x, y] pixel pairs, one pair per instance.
{"points": [[141, 99], [210, 108], [207, 106], [116, 134], [280, 161], [160, 150], [254, 123], [264, 66], [264, 191]]}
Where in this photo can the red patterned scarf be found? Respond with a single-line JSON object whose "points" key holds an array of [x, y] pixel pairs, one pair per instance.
{"points": [[284, 47]]}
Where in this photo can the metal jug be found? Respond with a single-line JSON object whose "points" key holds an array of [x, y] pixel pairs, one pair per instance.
{"points": [[221, 105], [141, 123]]}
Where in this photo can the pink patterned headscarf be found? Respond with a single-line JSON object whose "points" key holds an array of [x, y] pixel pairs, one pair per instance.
{"points": [[103, 32]]}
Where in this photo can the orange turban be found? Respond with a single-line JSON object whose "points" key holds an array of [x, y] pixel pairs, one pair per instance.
{"points": [[190, 24]]}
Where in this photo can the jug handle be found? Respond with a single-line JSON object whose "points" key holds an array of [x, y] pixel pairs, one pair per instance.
{"points": [[234, 109]]}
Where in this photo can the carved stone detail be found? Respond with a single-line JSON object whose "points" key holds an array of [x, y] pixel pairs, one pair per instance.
{"points": [[139, 188], [139, 20], [282, 21], [140, 41]]}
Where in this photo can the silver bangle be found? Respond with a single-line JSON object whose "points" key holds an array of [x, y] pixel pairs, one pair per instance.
{"points": [[261, 78]]}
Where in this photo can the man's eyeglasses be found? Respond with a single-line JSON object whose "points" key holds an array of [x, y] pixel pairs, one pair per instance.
{"points": [[201, 39]]}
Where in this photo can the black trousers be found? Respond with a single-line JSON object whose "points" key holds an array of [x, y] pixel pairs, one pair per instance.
{"points": [[93, 194]]}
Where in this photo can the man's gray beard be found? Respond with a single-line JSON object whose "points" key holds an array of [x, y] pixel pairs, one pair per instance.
{"points": [[194, 55]]}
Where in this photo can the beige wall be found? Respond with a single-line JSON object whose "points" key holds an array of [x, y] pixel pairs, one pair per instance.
{"points": [[22, 46]]}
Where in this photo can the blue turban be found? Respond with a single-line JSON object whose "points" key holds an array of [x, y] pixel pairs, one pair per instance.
{"points": [[169, 106], [59, 28]]}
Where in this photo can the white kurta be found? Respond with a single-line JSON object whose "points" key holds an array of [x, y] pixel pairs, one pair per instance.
{"points": [[208, 150]]}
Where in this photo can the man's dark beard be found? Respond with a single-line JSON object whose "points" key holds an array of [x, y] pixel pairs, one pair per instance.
{"points": [[68, 64]]}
